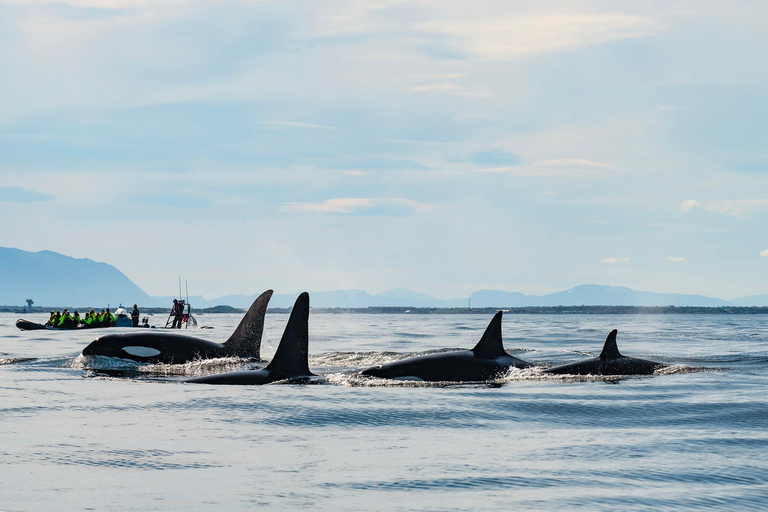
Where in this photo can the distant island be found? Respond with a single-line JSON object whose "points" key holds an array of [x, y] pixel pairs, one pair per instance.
{"points": [[54, 280]]}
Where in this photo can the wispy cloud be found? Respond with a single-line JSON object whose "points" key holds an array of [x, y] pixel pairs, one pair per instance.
{"points": [[396, 207], [764, 253], [23, 195], [614, 260], [732, 207], [443, 76], [674, 258], [572, 167], [511, 38], [289, 125], [441, 87], [576, 163], [375, 164]]}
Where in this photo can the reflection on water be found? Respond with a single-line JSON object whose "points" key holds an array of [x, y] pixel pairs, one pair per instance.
{"points": [[109, 434]]}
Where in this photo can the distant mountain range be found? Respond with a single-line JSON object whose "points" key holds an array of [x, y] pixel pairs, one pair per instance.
{"points": [[52, 279], [585, 295]]}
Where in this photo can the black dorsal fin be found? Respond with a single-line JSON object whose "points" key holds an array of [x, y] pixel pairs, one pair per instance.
{"points": [[292, 353], [246, 340], [491, 344], [610, 350]]}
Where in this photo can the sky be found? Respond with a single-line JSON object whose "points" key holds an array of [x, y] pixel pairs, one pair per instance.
{"points": [[442, 147]]}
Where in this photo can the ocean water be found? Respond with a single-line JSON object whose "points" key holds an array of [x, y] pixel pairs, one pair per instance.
{"points": [[79, 434]]}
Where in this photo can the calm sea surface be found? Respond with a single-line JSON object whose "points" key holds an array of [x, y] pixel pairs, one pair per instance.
{"points": [[106, 435]]}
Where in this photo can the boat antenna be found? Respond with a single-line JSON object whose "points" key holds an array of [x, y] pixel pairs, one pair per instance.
{"points": [[179, 286], [186, 286]]}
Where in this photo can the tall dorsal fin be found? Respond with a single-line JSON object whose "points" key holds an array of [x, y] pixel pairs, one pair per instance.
{"points": [[610, 350], [293, 350], [491, 344], [246, 340]]}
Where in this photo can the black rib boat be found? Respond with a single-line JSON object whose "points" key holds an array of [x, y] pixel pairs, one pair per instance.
{"points": [[26, 325]]}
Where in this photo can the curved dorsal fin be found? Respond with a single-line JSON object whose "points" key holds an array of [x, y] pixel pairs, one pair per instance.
{"points": [[292, 352], [610, 350], [246, 340], [491, 344]]}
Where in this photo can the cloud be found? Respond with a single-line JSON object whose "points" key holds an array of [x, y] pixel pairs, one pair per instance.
{"points": [[289, 125], [567, 167], [441, 87], [444, 76], [674, 258], [101, 4], [394, 207], [614, 260], [690, 204], [22, 195], [576, 163], [509, 38], [764, 253], [355, 173], [380, 164], [732, 207]]}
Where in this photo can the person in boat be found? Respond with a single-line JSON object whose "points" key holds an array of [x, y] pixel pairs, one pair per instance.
{"points": [[135, 316], [56, 319], [65, 319], [110, 319], [87, 321], [178, 314], [122, 318], [146, 323], [51, 319], [76, 320]]}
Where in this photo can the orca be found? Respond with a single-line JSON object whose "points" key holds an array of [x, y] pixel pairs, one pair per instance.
{"points": [[609, 362], [154, 346], [290, 362], [486, 361]]}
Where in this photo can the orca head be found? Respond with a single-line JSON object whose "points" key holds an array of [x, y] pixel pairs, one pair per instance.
{"points": [[103, 345], [124, 346]]}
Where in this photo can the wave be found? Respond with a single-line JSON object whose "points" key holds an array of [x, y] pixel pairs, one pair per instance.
{"points": [[16, 360]]}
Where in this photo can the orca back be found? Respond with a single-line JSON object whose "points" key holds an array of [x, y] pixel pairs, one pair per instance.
{"points": [[246, 340], [610, 349], [491, 344], [292, 353]]}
